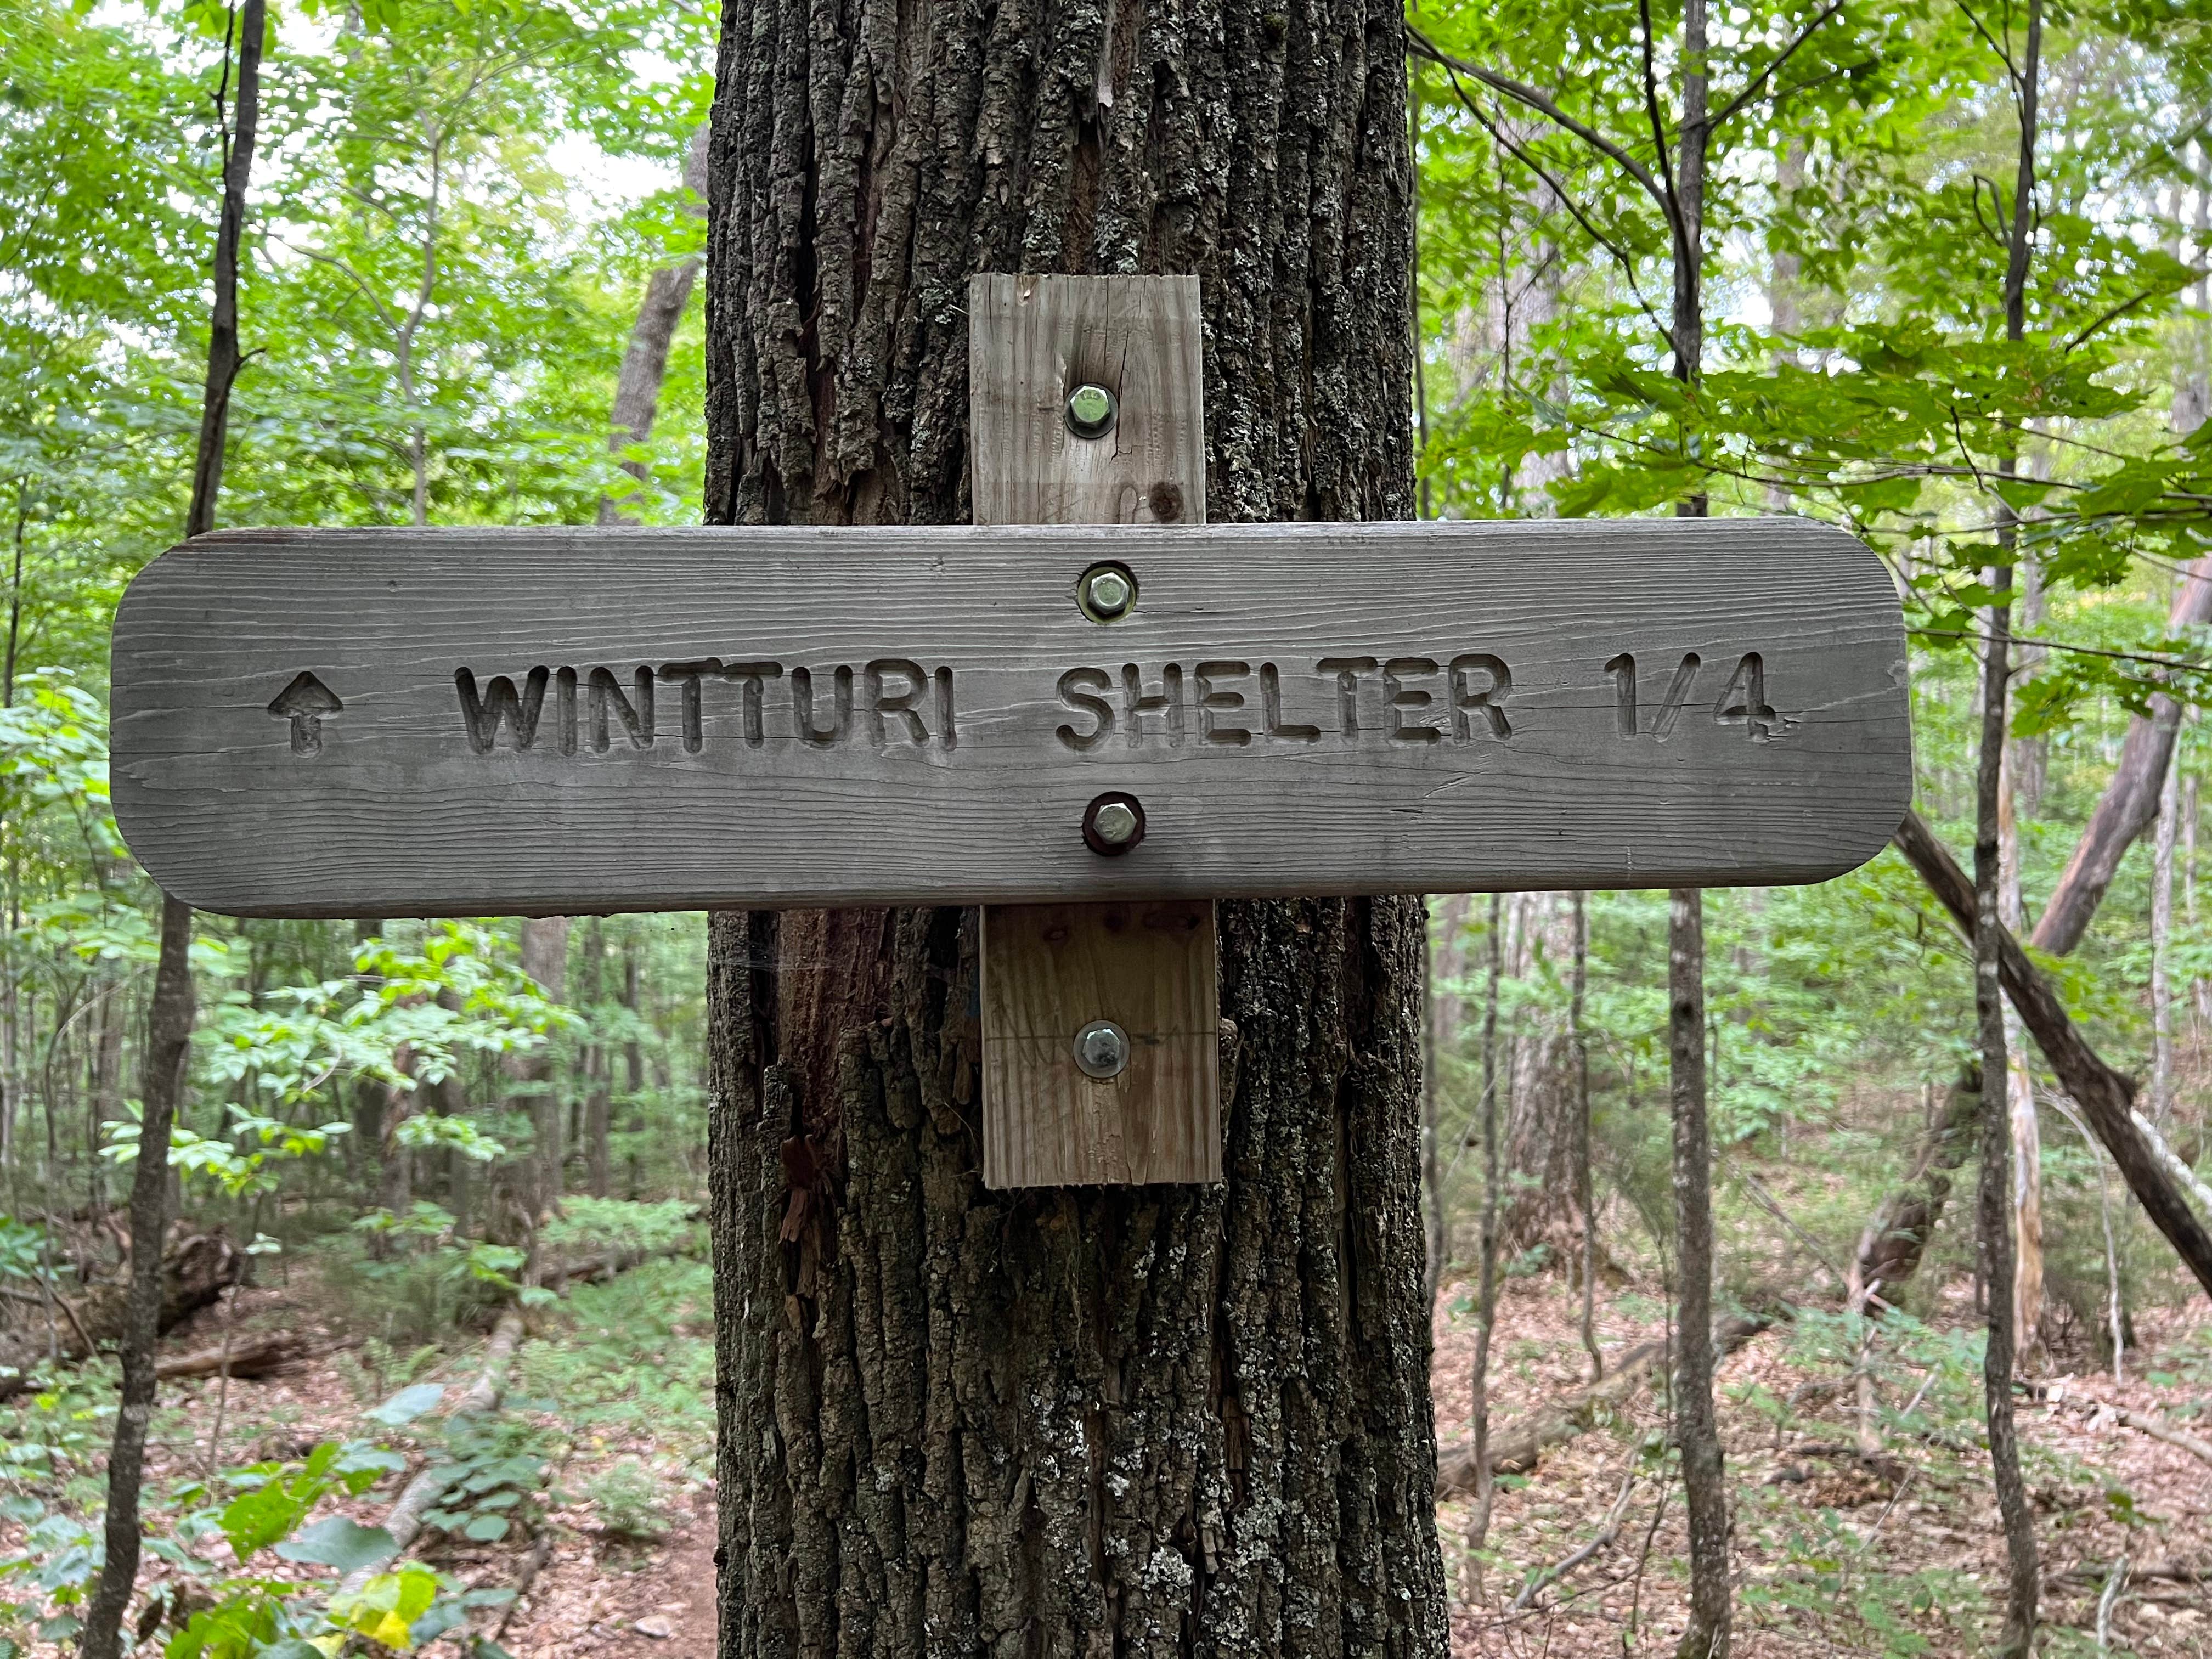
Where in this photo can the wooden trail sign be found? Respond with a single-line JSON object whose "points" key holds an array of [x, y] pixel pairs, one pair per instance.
{"points": [[397, 722]]}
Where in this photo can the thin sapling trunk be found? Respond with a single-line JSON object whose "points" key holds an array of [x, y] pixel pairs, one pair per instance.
{"points": [[1486, 1311], [1585, 1201], [168, 1039], [2017, 1639]]}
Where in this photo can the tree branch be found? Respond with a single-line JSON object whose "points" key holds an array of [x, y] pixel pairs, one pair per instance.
{"points": [[1751, 88], [1669, 204], [1529, 160], [1531, 98]]}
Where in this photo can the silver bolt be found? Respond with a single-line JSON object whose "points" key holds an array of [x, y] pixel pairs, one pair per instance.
{"points": [[1101, 1050], [1115, 823], [1091, 410], [1106, 593]]}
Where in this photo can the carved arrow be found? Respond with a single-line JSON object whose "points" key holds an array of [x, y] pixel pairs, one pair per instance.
{"points": [[304, 703]]}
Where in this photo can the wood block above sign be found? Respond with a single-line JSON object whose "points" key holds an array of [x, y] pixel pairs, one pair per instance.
{"points": [[398, 722]]}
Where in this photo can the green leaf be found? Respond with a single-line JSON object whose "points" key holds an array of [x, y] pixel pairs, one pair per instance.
{"points": [[487, 1528], [341, 1543], [255, 1520], [408, 1404]]}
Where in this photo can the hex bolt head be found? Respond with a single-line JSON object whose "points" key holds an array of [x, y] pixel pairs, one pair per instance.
{"points": [[1102, 1050], [1113, 824], [1107, 592], [1091, 410]]}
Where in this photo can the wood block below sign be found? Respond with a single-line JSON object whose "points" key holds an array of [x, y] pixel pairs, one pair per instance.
{"points": [[1150, 968]]}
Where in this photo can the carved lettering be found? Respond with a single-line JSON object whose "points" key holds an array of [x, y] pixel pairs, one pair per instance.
{"points": [[1271, 711], [753, 677], [1678, 693], [1078, 690], [1744, 698], [897, 705], [1166, 703], [1401, 700], [607, 698], [694, 718], [565, 694], [948, 732], [1212, 700], [1347, 670], [500, 708], [841, 706], [1623, 670], [1469, 699]]}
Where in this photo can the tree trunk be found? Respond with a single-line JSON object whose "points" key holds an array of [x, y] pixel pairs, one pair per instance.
{"points": [[2161, 945], [2105, 1096], [2130, 803], [169, 1043], [645, 363], [2017, 1638], [598, 1103], [1439, 1032], [2020, 1089], [170, 1012], [1697, 1426], [633, 1059], [1896, 1236], [364, 1148], [546, 959], [1125, 1420], [107, 1094], [1486, 1298], [1585, 1196], [1539, 1202]]}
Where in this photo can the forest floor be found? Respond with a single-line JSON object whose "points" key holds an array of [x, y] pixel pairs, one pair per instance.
{"points": [[1896, 1552], [609, 1414], [603, 1452]]}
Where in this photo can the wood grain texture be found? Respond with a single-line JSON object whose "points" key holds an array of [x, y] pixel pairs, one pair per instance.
{"points": [[398, 812], [1047, 971], [1032, 340], [1050, 968]]}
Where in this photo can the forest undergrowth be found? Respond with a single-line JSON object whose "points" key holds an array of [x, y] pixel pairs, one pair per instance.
{"points": [[1893, 1552], [576, 1491], [591, 1487]]}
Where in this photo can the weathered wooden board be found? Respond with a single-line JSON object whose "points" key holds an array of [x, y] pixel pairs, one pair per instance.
{"points": [[1050, 970], [1148, 967], [1034, 339], [792, 716]]}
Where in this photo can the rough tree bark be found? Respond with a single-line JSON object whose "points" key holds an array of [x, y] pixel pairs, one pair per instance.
{"points": [[1136, 1421], [1697, 1427]]}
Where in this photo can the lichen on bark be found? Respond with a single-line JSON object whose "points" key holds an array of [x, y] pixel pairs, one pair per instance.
{"points": [[1158, 1419]]}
